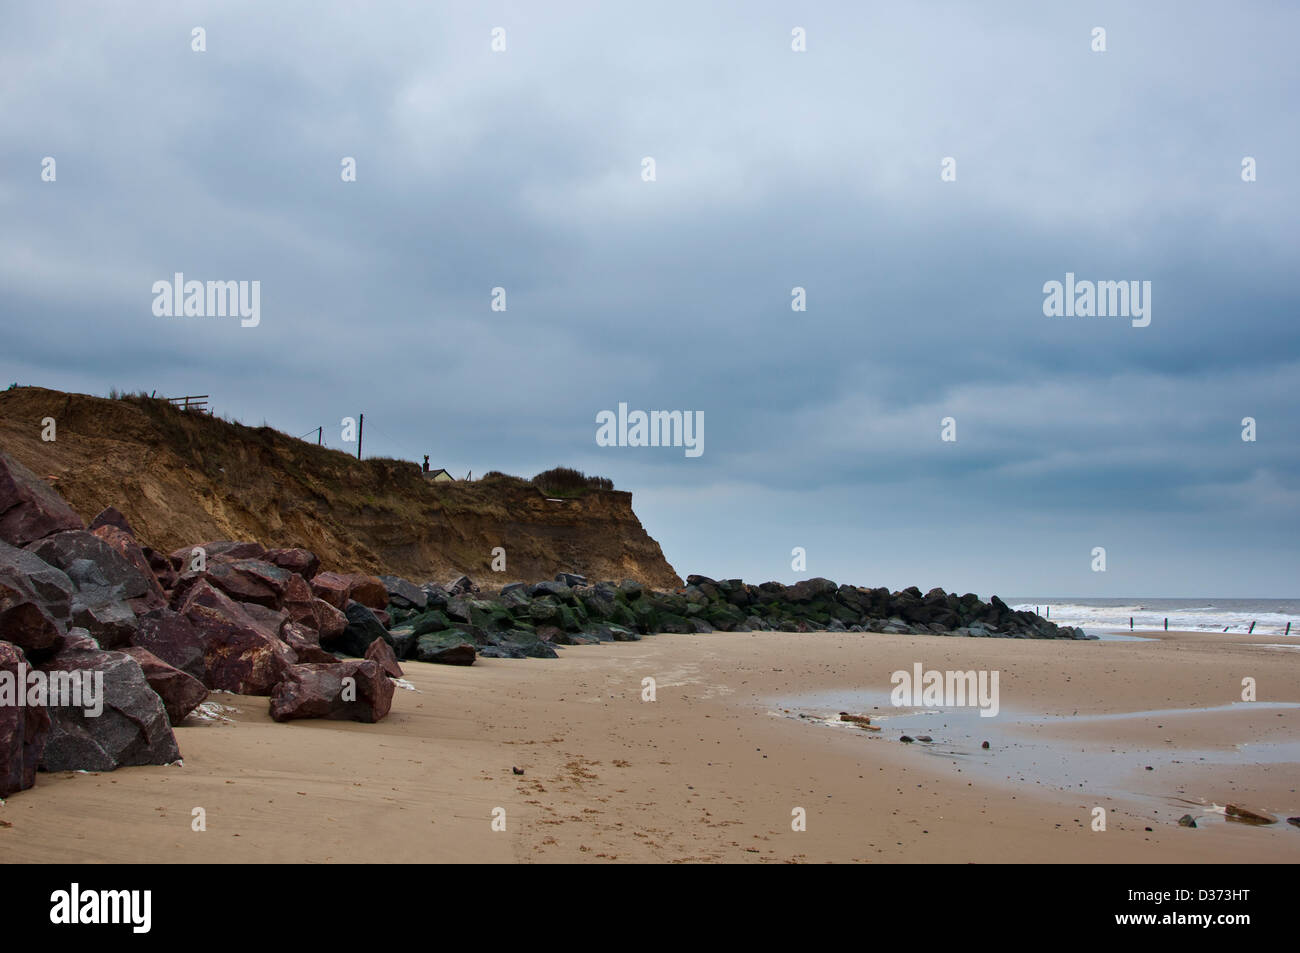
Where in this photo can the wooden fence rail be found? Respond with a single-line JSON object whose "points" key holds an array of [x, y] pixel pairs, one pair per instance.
{"points": [[197, 402]]}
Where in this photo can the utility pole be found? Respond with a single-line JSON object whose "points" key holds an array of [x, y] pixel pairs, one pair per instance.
{"points": [[360, 429], [320, 436]]}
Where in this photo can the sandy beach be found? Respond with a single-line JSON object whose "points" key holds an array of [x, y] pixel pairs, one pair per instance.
{"points": [[741, 732]]}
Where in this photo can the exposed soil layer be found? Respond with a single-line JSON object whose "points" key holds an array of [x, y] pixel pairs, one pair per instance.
{"points": [[182, 477]]}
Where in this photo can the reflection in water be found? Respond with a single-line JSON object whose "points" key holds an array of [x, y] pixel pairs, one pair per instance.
{"points": [[1026, 749]]}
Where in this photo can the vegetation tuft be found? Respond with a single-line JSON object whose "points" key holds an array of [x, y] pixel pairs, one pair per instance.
{"points": [[568, 480]]}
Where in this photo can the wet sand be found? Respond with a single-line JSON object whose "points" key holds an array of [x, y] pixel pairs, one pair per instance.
{"points": [[714, 767]]}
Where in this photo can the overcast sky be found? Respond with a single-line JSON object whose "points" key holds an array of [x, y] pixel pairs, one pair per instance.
{"points": [[523, 169]]}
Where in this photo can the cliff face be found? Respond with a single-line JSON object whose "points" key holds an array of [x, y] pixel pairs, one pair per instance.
{"points": [[183, 477]]}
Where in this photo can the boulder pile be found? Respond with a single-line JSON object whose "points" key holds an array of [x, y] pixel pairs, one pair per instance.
{"points": [[455, 625], [106, 644]]}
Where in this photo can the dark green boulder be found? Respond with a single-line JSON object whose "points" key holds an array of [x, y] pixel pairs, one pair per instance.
{"points": [[450, 647]]}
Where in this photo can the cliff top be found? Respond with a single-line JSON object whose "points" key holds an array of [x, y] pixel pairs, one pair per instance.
{"points": [[181, 476]]}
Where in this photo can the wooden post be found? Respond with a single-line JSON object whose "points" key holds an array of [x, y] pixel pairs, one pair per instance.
{"points": [[1166, 623], [1251, 631], [360, 428], [1130, 623], [1288, 629]]}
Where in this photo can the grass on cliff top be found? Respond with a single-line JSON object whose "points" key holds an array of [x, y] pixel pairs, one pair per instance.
{"points": [[563, 482], [242, 458], [223, 449]]}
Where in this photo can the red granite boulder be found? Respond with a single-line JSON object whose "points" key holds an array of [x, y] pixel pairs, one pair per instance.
{"points": [[23, 728], [382, 653], [316, 614], [306, 644], [370, 591], [174, 639], [134, 581], [48, 587], [339, 588], [304, 562], [298, 598], [240, 654], [29, 508], [180, 693], [331, 587], [25, 622], [355, 689], [111, 516], [117, 720], [127, 547], [244, 580]]}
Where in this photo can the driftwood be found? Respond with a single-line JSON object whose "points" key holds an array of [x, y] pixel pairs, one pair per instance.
{"points": [[862, 721], [1244, 816]]}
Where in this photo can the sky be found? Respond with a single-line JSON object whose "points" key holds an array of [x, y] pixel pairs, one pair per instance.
{"points": [[524, 169]]}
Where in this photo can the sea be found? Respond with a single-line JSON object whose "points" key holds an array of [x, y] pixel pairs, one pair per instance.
{"points": [[1185, 615]]}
